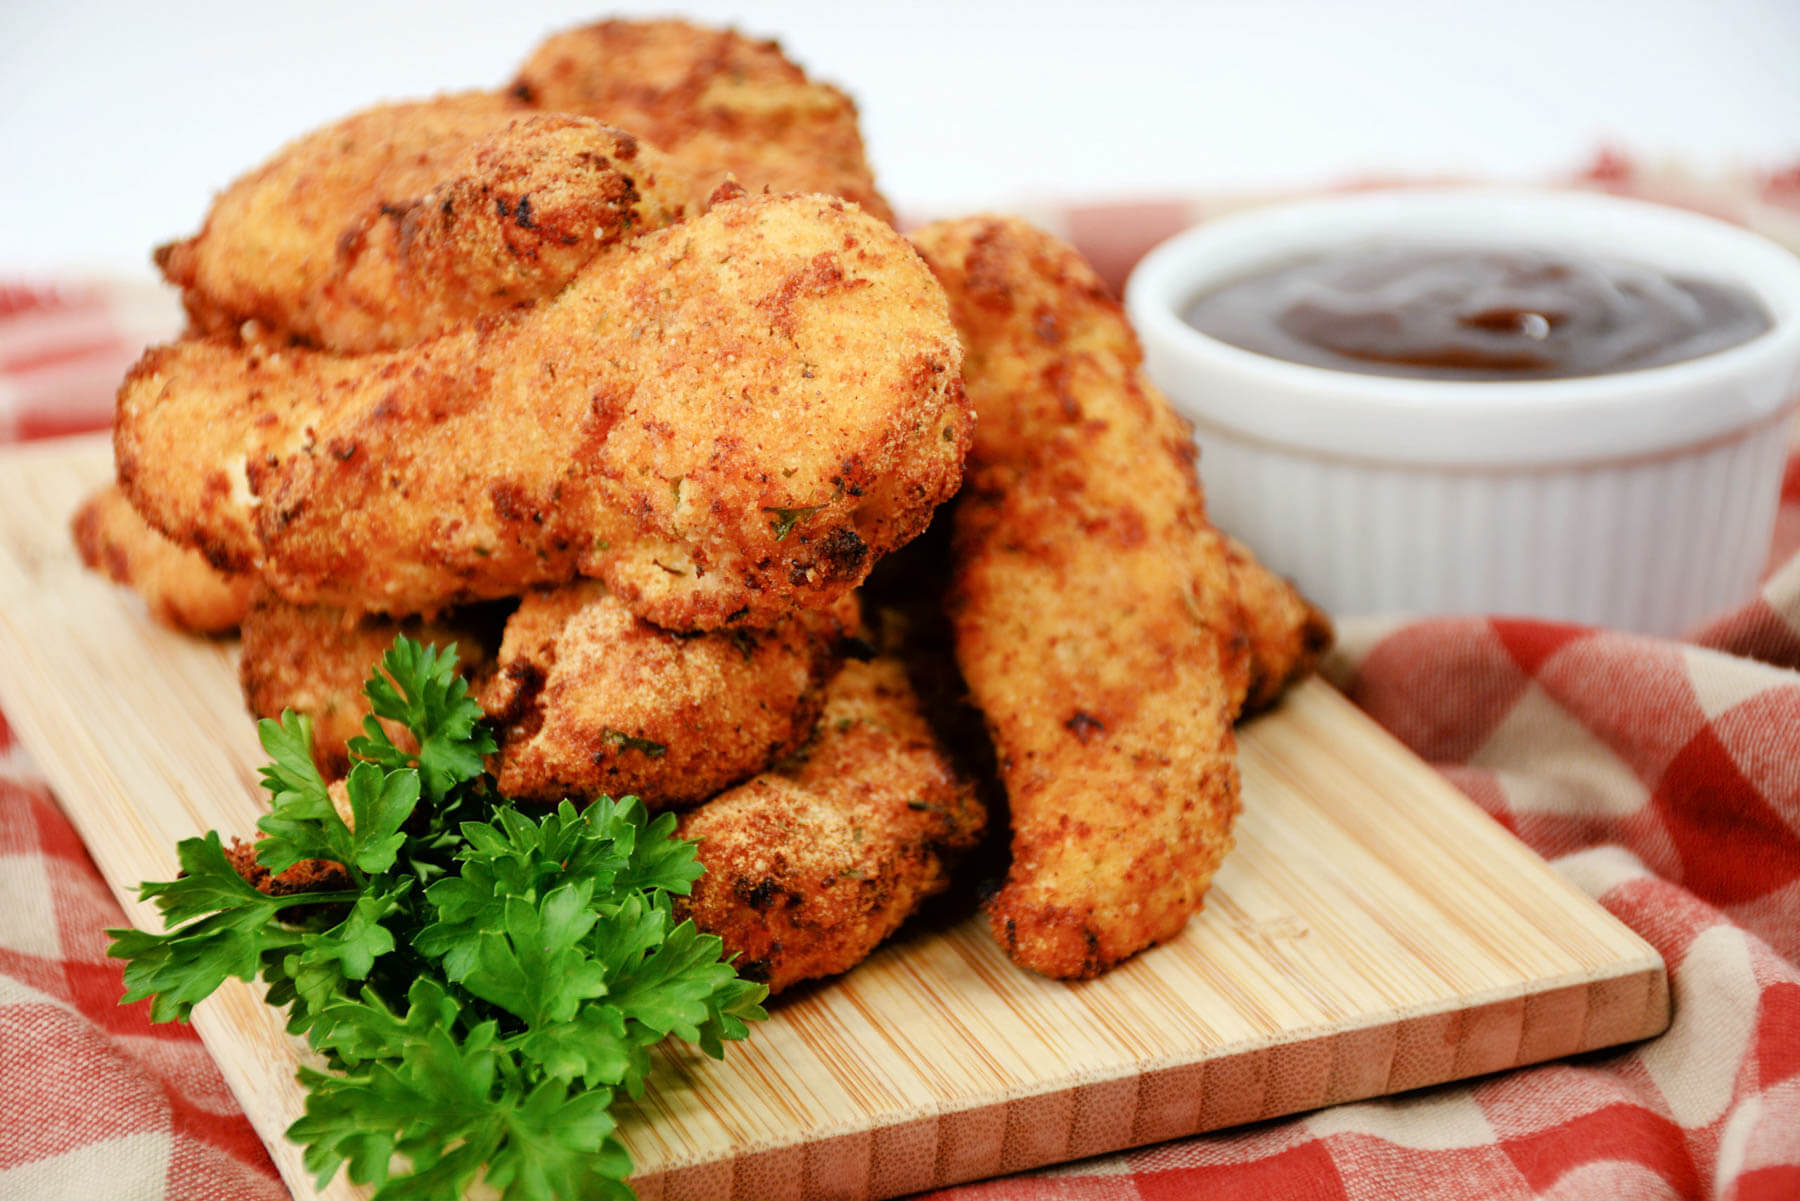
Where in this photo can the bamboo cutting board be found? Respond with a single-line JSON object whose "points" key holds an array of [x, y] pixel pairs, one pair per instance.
{"points": [[1373, 932]]}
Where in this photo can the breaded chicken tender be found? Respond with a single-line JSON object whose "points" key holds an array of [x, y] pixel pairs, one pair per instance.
{"points": [[719, 103], [723, 420], [1285, 633], [812, 864], [508, 220], [391, 225], [589, 700], [178, 586], [1092, 607], [270, 243], [314, 660]]}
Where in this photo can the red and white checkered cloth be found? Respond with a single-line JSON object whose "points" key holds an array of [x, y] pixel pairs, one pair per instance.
{"points": [[1661, 777]]}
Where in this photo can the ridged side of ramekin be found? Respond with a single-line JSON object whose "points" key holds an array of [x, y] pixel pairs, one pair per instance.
{"points": [[1654, 544]]}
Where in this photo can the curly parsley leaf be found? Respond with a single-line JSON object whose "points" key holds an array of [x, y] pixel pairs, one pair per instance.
{"points": [[233, 925], [380, 804], [490, 981], [419, 687], [534, 967], [657, 860], [592, 1047], [325, 965], [516, 856], [560, 1144], [302, 822], [430, 1088], [672, 989]]}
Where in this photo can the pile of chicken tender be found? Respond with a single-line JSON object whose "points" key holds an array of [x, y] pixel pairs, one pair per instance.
{"points": [[876, 557]]}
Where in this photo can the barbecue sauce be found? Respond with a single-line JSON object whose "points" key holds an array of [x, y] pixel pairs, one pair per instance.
{"points": [[1477, 314]]}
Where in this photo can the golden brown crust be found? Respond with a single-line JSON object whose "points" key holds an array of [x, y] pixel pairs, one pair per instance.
{"points": [[270, 243], [589, 700], [520, 212], [723, 420], [811, 865], [719, 103], [1092, 608], [1285, 633], [314, 660], [395, 223], [377, 261], [308, 875], [178, 586]]}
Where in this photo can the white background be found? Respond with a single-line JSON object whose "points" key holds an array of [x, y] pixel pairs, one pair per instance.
{"points": [[119, 120]]}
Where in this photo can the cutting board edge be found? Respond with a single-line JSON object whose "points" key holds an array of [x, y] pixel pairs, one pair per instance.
{"points": [[750, 1168]]}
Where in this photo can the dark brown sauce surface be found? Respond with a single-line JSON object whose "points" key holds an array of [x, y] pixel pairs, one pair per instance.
{"points": [[1477, 314]]}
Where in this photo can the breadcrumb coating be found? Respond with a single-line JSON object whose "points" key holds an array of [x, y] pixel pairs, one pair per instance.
{"points": [[178, 586], [721, 104], [270, 244], [811, 865], [723, 420], [589, 700], [512, 219], [1092, 608], [1285, 634], [395, 223]]}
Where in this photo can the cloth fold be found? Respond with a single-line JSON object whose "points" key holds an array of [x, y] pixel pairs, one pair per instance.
{"points": [[1661, 777]]}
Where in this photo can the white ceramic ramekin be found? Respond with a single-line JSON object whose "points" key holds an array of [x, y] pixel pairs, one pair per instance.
{"points": [[1643, 500]]}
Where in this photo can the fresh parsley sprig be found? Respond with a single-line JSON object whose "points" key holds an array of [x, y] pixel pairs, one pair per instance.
{"points": [[484, 984]]}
